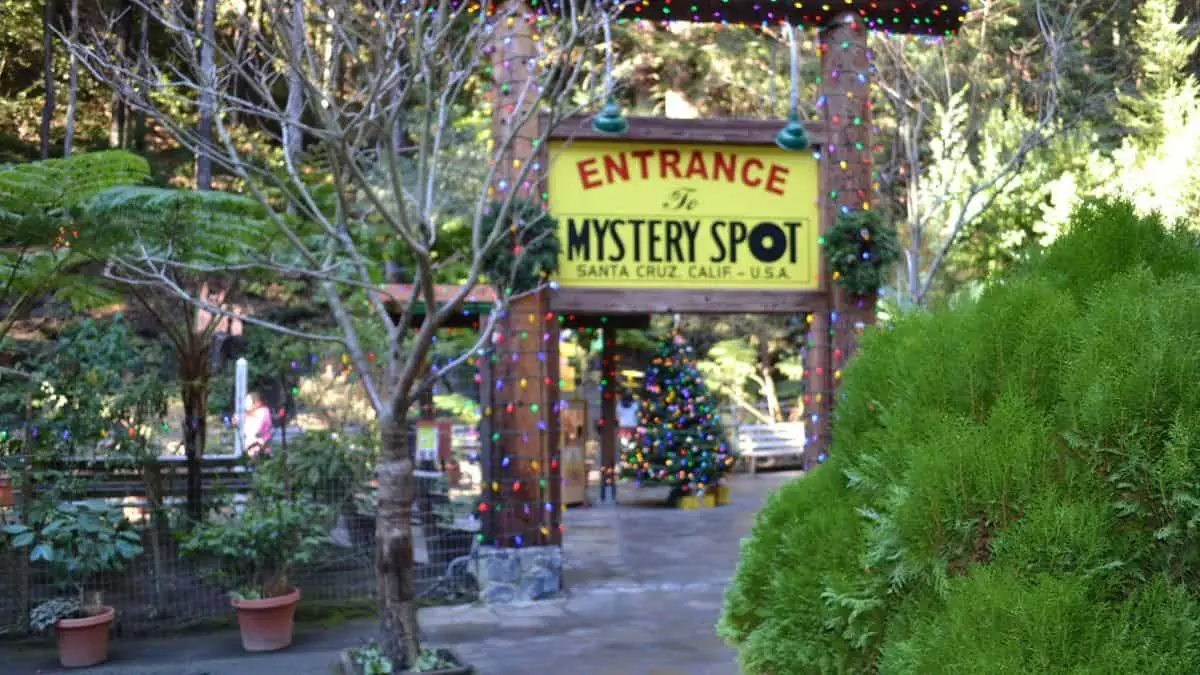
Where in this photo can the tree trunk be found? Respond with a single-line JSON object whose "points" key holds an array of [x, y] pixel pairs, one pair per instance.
{"points": [[160, 529], [294, 139], [208, 98], [72, 83], [48, 15], [394, 567], [768, 389], [195, 429], [143, 60], [117, 131]]}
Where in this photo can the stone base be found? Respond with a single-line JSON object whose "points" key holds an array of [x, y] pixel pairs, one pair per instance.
{"points": [[517, 575]]}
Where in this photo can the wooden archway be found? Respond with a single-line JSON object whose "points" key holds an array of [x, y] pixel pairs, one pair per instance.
{"points": [[845, 146]]}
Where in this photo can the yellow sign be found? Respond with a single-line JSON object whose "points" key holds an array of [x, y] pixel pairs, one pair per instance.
{"points": [[427, 443], [682, 216]]}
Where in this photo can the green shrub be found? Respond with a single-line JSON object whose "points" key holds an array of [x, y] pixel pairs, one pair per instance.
{"points": [[1014, 483]]}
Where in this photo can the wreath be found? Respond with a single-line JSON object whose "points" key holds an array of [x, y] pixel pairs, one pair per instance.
{"points": [[527, 253], [861, 250]]}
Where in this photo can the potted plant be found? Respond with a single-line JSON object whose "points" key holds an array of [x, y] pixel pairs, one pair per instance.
{"points": [[369, 660], [260, 546], [78, 541]]}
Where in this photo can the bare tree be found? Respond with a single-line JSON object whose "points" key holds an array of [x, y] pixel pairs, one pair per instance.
{"points": [[945, 168], [72, 84], [118, 128], [207, 90], [411, 76], [49, 16]]}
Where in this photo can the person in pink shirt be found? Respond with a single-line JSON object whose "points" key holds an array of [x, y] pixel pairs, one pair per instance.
{"points": [[256, 427]]}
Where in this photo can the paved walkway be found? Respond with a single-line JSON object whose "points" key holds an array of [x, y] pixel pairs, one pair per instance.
{"points": [[645, 587]]}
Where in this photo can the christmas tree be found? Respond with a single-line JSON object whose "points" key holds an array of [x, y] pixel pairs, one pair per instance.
{"points": [[679, 440]]}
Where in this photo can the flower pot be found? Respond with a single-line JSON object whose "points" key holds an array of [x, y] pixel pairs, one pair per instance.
{"points": [[84, 642], [266, 624]]}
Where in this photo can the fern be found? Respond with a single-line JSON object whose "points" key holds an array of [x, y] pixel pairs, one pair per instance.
{"points": [[180, 225], [35, 195]]}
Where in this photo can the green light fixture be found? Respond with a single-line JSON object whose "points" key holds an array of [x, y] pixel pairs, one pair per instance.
{"points": [[609, 121], [793, 137]]}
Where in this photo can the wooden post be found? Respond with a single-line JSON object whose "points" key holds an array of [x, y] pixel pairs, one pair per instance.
{"points": [[817, 387], [512, 58], [610, 390], [525, 489], [846, 186]]}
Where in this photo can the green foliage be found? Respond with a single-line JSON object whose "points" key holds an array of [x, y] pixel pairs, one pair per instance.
{"points": [[217, 228], [48, 613], [431, 660], [41, 247], [527, 253], [41, 193], [372, 661], [1013, 486], [261, 544], [861, 249], [731, 365], [78, 540], [100, 386], [1163, 53], [322, 466], [458, 406], [681, 442]]}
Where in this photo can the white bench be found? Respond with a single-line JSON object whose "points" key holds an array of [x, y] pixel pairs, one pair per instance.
{"points": [[773, 442]]}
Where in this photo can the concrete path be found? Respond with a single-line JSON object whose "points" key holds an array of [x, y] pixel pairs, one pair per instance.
{"points": [[645, 587]]}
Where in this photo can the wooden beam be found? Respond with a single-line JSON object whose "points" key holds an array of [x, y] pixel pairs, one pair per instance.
{"points": [[656, 301], [659, 129], [913, 17], [615, 322]]}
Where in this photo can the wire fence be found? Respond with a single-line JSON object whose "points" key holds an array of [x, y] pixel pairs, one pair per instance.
{"points": [[166, 587], [323, 452]]}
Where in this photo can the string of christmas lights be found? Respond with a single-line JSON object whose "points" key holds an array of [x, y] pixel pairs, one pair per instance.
{"points": [[520, 503], [915, 17]]}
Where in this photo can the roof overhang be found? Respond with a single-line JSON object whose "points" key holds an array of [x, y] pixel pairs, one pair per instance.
{"points": [[912, 17]]}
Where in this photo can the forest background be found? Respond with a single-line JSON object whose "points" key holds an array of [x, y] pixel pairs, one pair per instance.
{"points": [[986, 140]]}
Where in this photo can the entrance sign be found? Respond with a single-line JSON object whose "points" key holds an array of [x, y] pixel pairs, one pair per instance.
{"points": [[659, 215]]}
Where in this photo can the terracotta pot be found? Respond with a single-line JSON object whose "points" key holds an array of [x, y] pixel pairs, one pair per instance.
{"points": [[267, 624], [84, 642], [6, 491]]}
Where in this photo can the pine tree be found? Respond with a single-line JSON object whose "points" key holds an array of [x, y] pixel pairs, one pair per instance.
{"points": [[680, 441], [1162, 80], [1156, 165]]}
